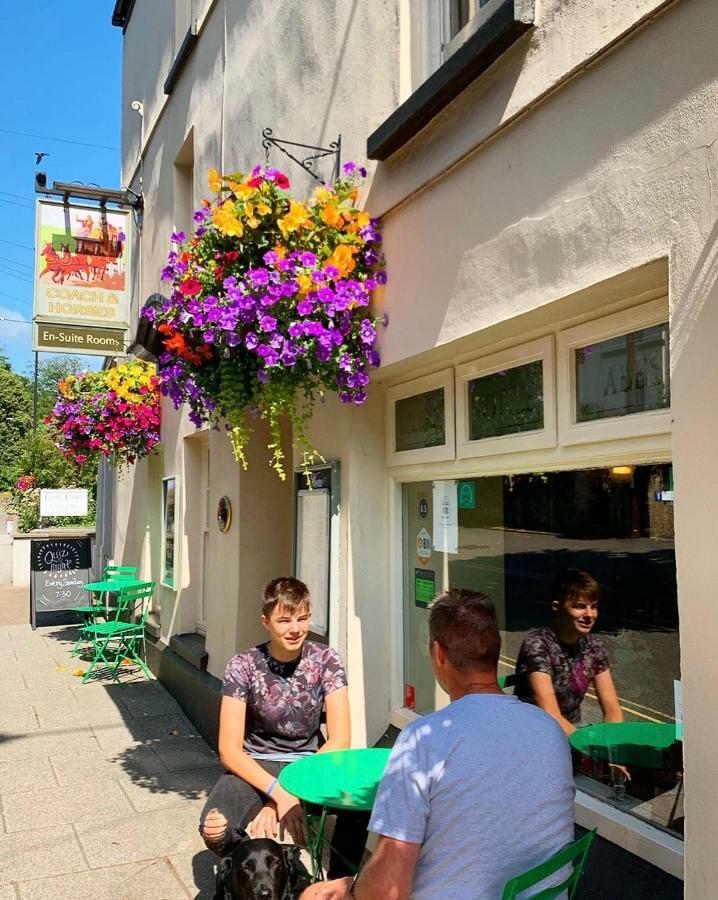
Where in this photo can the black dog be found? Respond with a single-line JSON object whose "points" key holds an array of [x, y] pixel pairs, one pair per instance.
{"points": [[261, 869]]}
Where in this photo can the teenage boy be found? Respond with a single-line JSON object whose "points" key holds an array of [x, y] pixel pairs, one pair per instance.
{"points": [[472, 794], [558, 664]]}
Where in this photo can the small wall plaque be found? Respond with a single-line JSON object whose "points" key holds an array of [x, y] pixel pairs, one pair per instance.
{"points": [[224, 514]]}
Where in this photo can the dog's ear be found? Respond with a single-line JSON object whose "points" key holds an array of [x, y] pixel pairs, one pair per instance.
{"points": [[222, 884], [299, 878]]}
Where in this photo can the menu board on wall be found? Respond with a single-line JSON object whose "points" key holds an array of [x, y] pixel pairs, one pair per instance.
{"points": [[59, 567]]}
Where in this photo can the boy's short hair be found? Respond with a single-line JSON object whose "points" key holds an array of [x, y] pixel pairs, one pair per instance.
{"points": [[574, 584], [289, 593], [464, 623]]}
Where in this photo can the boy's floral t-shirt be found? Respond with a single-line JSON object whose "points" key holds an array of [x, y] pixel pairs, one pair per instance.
{"points": [[284, 700], [572, 668]]}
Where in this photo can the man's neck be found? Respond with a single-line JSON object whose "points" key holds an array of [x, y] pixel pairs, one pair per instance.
{"points": [[282, 655], [476, 684]]}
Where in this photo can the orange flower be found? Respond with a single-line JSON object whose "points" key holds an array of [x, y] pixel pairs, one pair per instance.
{"points": [[331, 215], [342, 258], [214, 180]]}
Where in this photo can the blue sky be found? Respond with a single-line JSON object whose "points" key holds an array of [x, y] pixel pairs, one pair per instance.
{"points": [[61, 64]]}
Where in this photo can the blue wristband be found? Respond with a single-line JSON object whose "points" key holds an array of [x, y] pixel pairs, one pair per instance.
{"points": [[272, 786]]}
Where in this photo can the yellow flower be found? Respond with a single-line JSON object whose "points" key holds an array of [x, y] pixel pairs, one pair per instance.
{"points": [[243, 191], [322, 194], [263, 208], [363, 219], [252, 222], [294, 219], [227, 222], [305, 284], [215, 180]]}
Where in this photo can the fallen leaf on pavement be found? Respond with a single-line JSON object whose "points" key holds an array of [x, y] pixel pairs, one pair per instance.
{"points": [[60, 669], [78, 672]]}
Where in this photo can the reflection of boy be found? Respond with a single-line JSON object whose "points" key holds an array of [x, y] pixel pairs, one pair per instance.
{"points": [[557, 665]]}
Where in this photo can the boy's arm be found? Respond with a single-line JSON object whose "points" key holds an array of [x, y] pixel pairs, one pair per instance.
{"points": [[607, 697], [545, 696]]}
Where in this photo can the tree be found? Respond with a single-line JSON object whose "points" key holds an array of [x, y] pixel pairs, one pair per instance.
{"points": [[15, 420]]}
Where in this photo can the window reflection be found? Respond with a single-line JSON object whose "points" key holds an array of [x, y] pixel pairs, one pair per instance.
{"points": [[515, 534]]}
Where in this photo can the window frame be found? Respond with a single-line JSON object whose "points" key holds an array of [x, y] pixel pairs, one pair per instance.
{"points": [[441, 453], [632, 425], [542, 350]]}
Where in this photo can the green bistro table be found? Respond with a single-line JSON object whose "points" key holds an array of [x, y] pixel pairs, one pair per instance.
{"points": [[344, 779], [626, 743], [89, 612]]}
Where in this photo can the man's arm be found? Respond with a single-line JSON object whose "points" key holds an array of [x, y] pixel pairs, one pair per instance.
{"points": [[542, 688], [388, 875], [607, 697]]}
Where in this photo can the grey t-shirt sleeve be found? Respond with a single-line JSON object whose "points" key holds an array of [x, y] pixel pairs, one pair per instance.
{"points": [[401, 809]]}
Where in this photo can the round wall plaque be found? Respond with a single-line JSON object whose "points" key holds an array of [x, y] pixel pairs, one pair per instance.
{"points": [[224, 514]]}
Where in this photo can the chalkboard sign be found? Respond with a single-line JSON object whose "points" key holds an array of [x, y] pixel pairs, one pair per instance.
{"points": [[59, 567]]}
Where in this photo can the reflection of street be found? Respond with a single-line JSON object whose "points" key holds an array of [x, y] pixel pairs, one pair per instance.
{"points": [[637, 622]]}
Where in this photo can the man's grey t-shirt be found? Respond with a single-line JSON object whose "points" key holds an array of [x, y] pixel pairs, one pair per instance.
{"points": [[485, 785]]}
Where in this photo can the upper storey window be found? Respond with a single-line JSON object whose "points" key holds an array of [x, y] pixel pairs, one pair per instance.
{"points": [[452, 43]]}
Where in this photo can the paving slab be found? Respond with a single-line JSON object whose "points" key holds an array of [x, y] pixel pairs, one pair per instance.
{"points": [[7, 892], [185, 753], [168, 788], [19, 719], [149, 880], [100, 766], [129, 733], [197, 872], [143, 836], [73, 739], [50, 851], [17, 776], [64, 805], [56, 697], [11, 680]]}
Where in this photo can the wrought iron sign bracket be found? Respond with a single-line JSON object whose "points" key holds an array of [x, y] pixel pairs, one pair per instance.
{"points": [[306, 162]]}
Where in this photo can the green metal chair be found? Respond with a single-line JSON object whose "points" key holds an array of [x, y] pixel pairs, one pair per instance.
{"points": [[576, 853], [116, 640], [91, 612]]}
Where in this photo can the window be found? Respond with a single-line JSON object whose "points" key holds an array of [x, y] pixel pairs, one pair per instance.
{"points": [[452, 43], [617, 376], [507, 401], [168, 531], [514, 533], [420, 420], [184, 185]]}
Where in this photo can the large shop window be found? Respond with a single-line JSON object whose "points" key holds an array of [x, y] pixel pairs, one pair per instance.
{"points": [[508, 536]]}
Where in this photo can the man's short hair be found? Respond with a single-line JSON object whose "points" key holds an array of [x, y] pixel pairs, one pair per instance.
{"points": [[291, 594], [574, 584], [464, 623]]}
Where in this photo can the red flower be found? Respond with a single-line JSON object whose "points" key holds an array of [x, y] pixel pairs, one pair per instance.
{"points": [[190, 287], [281, 180], [255, 182]]}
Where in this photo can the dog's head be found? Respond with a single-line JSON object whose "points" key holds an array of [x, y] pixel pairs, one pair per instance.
{"points": [[259, 869]]}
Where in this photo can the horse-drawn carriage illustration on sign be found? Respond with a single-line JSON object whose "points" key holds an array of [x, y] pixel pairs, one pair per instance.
{"points": [[82, 247]]}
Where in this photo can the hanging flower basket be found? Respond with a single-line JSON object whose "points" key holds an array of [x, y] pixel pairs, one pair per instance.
{"points": [[270, 306], [115, 412]]}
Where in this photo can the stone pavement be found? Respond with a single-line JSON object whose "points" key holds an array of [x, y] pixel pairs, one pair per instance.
{"points": [[101, 785]]}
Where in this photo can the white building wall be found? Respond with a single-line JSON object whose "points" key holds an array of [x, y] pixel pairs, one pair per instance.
{"points": [[587, 151]]}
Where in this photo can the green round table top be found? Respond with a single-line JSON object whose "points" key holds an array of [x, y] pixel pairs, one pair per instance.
{"points": [[343, 779], [114, 584], [626, 743]]}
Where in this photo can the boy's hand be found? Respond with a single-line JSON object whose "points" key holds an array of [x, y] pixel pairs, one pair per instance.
{"points": [[264, 824], [291, 816], [329, 890]]}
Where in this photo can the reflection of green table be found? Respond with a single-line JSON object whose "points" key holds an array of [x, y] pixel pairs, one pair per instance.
{"points": [[344, 779], [626, 743]]}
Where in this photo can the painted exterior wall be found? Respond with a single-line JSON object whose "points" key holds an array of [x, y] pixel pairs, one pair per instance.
{"points": [[586, 152]]}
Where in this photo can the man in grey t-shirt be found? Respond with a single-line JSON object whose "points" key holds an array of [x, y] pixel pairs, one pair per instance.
{"points": [[474, 793]]}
